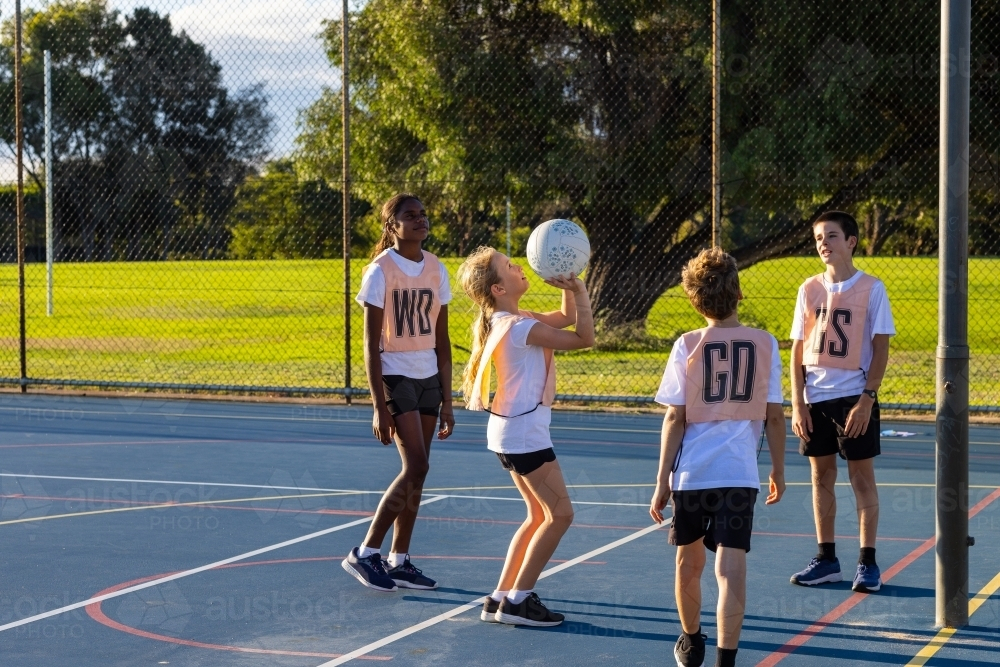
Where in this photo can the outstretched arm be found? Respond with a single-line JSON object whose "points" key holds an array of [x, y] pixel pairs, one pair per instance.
{"points": [[544, 335], [562, 318]]}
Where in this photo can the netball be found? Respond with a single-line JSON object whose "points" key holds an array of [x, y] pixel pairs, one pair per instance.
{"points": [[558, 248]]}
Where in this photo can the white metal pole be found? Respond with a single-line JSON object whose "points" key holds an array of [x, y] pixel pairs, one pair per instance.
{"points": [[49, 238], [508, 226]]}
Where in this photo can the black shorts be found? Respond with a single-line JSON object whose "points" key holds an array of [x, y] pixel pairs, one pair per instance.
{"points": [[828, 434], [525, 464], [724, 517], [403, 394]]}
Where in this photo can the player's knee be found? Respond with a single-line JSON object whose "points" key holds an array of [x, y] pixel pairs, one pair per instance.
{"points": [[417, 469]]}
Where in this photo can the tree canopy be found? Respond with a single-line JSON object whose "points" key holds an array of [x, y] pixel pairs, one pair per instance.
{"points": [[149, 145], [600, 111]]}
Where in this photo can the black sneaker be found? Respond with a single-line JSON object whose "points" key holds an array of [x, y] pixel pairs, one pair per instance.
{"points": [[689, 651], [407, 576], [489, 611], [530, 612], [369, 571]]}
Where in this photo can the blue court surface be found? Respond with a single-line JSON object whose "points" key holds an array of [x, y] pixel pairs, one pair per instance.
{"points": [[142, 531]]}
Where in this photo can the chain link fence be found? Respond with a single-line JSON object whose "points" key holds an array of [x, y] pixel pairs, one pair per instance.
{"points": [[197, 174]]}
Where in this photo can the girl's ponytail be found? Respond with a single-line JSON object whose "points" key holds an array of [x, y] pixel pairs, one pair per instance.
{"points": [[388, 217], [477, 276]]}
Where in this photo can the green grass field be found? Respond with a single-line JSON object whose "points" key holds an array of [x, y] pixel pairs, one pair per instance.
{"points": [[281, 323]]}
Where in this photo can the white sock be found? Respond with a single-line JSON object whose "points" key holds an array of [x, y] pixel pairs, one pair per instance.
{"points": [[517, 597], [499, 595], [395, 559], [365, 552]]}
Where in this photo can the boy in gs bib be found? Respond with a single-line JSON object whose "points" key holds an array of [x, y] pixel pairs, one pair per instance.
{"points": [[722, 388], [840, 348]]}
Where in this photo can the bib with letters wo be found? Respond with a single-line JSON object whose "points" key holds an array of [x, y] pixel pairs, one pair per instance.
{"points": [[728, 371], [480, 399], [411, 305], [834, 326]]}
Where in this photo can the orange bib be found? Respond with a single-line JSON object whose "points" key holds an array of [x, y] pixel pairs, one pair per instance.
{"points": [[728, 372], [480, 399], [834, 327], [411, 305]]}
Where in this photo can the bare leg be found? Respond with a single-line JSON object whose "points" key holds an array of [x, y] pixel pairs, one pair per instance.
{"points": [[731, 573], [409, 482], [547, 487], [687, 585], [403, 526], [522, 538], [824, 480], [862, 474]]}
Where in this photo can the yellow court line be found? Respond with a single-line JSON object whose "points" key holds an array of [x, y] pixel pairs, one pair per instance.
{"points": [[168, 505], [942, 637]]}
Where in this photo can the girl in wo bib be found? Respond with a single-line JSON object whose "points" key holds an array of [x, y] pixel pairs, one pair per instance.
{"points": [[722, 387], [520, 344], [405, 294]]}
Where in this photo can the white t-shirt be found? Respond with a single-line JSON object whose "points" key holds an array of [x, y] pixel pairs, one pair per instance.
{"points": [[418, 364], [522, 390], [721, 453], [824, 384]]}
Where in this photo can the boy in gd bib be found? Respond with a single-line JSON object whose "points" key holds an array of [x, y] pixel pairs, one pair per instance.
{"points": [[722, 388]]}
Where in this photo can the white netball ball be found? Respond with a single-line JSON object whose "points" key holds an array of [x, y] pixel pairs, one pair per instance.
{"points": [[558, 248]]}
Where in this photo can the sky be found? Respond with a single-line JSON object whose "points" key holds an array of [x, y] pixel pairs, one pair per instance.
{"points": [[274, 42]]}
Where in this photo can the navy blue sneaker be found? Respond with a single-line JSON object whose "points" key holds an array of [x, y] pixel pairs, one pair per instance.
{"points": [[868, 578], [818, 572], [689, 651], [369, 571], [407, 576]]}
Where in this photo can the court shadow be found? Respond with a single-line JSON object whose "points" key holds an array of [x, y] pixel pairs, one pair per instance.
{"points": [[590, 630], [906, 591]]}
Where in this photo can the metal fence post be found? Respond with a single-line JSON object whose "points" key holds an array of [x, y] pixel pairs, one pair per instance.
{"points": [[49, 166], [952, 525], [346, 196], [716, 122], [19, 140]]}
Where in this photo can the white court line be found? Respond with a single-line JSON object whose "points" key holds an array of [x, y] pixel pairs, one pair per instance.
{"points": [[188, 573], [575, 502], [164, 481], [357, 653]]}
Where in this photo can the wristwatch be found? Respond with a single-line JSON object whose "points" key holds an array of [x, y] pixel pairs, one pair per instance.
{"points": [[870, 392]]}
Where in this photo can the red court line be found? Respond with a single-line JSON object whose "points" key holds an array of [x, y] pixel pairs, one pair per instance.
{"points": [[95, 612], [851, 602], [840, 537]]}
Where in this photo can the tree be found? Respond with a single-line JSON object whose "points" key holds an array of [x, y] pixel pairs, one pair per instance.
{"points": [[149, 145], [600, 110], [280, 215]]}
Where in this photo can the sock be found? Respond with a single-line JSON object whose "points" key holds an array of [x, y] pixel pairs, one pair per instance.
{"points": [[726, 657], [498, 595], [695, 636], [867, 556], [395, 559], [827, 551], [365, 552], [517, 597]]}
